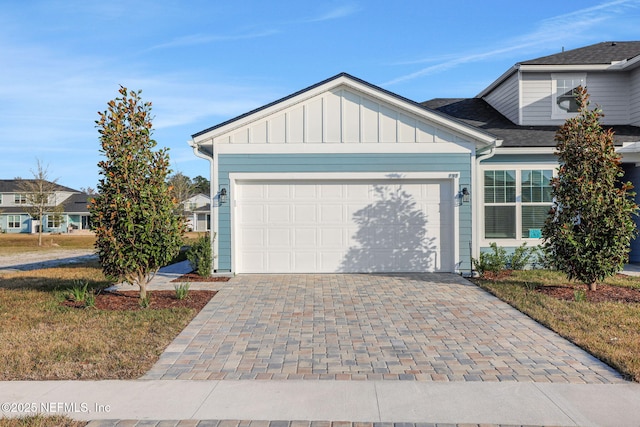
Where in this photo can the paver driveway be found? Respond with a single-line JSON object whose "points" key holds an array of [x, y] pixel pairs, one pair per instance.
{"points": [[432, 327]]}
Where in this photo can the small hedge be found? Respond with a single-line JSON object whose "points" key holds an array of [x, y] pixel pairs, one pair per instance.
{"points": [[200, 256]]}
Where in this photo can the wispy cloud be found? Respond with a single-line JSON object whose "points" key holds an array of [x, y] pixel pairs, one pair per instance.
{"points": [[337, 13], [555, 30], [199, 39]]}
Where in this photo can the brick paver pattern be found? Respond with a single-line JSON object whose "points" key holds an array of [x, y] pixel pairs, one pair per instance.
{"points": [[427, 327]]}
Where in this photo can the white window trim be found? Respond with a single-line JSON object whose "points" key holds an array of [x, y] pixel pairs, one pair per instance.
{"points": [[10, 221], [556, 112], [484, 242], [19, 199]]}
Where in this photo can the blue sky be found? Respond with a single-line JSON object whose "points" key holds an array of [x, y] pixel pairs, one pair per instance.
{"points": [[203, 62]]}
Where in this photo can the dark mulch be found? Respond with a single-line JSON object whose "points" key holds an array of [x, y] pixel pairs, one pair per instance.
{"points": [[129, 300], [194, 277], [602, 294]]}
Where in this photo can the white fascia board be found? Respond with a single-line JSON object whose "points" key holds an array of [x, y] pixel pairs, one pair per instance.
{"points": [[343, 148], [527, 150], [578, 68]]}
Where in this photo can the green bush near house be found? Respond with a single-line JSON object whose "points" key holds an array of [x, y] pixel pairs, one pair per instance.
{"points": [[497, 260], [200, 256]]}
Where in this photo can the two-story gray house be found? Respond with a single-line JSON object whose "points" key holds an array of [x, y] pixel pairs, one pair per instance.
{"points": [[345, 176]]}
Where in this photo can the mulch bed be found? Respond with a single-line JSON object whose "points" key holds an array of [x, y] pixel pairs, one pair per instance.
{"points": [[194, 277], [604, 293], [128, 300]]}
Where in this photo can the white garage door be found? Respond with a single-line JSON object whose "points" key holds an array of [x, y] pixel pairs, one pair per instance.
{"points": [[359, 226]]}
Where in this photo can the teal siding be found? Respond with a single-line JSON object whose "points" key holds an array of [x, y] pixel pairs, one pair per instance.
{"points": [[24, 224], [287, 163], [521, 158]]}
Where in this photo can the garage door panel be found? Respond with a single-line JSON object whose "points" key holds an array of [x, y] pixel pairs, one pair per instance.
{"points": [[305, 262], [358, 226], [305, 213], [279, 238], [331, 191], [279, 192], [279, 260], [332, 237], [278, 213], [305, 192], [253, 238], [305, 238], [332, 213]]}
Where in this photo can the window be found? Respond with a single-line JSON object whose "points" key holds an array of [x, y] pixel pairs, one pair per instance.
{"points": [[13, 221], [536, 200], [516, 203], [563, 99], [20, 199], [500, 198], [53, 221]]}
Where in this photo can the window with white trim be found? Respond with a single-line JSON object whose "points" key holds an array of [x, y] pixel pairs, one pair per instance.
{"points": [[14, 221], [563, 97], [516, 202], [19, 199], [54, 221]]}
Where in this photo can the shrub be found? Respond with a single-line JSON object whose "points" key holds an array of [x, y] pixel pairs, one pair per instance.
{"points": [[492, 262], [521, 257], [200, 256]]}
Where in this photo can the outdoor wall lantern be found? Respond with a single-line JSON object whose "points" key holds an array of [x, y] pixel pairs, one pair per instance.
{"points": [[222, 195], [466, 196], [463, 196]]}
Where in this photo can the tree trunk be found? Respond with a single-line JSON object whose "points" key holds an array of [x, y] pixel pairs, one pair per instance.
{"points": [[593, 286]]}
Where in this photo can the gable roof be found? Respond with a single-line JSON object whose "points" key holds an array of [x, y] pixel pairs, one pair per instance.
{"points": [[15, 186], [477, 112], [600, 53], [345, 80]]}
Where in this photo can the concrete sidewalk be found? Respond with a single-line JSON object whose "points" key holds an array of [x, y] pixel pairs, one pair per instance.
{"points": [[510, 403]]}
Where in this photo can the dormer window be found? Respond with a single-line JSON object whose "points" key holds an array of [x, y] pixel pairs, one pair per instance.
{"points": [[563, 98]]}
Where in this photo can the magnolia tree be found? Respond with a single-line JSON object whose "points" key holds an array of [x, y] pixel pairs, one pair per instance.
{"points": [[137, 231], [590, 226]]}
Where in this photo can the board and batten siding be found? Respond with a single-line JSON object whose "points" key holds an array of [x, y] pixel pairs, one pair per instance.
{"points": [[337, 116], [506, 98], [634, 97], [373, 162]]}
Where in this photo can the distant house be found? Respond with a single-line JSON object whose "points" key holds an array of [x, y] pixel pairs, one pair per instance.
{"points": [[345, 176], [197, 212], [15, 219]]}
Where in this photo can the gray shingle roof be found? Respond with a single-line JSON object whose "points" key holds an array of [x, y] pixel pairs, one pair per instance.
{"points": [[600, 53], [14, 186], [477, 112], [77, 203]]}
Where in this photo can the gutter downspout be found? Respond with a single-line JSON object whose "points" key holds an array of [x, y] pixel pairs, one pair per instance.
{"points": [[213, 213], [475, 247]]}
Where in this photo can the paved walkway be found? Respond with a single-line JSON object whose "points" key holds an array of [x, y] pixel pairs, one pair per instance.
{"points": [[430, 327], [469, 359]]}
